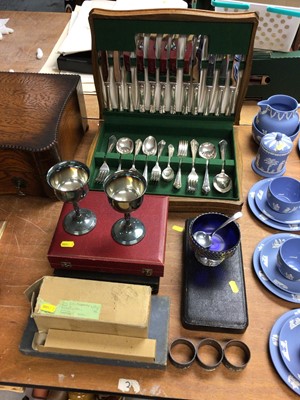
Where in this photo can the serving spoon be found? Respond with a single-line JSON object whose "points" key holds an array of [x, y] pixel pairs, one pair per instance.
{"points": [[222, 182], [168, 173], [205, 239], [208, 151], [124, 146]]}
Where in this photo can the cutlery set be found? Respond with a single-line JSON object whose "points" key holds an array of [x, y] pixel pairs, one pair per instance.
{"points": [[170, 73], [150, 147]]}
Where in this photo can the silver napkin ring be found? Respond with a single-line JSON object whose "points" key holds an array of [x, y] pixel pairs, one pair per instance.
{"points": [[216, 345], [192, 351], [246, 355]]}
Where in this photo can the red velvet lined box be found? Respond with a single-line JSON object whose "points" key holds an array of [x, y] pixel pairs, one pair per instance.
{"points": [[97, 251]]}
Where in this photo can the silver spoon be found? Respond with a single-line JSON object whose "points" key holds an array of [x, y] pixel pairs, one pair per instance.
{"points": [[168, 173], [208, 151], [222, 182], [124, 146], [205, 239], [149, 148]]}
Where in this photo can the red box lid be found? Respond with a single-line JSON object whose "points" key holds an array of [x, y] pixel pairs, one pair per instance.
{"points": [[97, 251]]}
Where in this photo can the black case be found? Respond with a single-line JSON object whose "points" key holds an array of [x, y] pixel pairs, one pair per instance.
{"points": [[209, 299]]}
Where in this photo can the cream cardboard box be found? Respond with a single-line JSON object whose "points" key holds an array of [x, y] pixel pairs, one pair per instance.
{"points": [[90, 306], [95, 345]]}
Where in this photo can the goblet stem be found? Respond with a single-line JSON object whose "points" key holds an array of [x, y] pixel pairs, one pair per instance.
{"points": [[127, 218], [77, 214]]}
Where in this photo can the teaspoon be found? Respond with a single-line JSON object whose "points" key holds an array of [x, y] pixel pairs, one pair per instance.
{"points": [[149, 148], [168, 173], [124, 146]]}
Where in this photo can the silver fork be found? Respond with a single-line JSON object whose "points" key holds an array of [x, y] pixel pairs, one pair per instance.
{"points": [[156, 170], [193, 177], [104, 169], [137, 148], [182, 152]]}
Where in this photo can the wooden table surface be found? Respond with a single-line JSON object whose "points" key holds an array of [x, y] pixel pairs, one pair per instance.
{"points": [[24, 245]]}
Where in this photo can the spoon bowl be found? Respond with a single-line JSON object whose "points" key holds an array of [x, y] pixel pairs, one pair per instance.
{"points": [[222, 182], [208, 151], [124, 146], [149, 148], [168, 173]]}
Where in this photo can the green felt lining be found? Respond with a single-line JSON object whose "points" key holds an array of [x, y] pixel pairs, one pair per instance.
{"points": [[171, 132]]}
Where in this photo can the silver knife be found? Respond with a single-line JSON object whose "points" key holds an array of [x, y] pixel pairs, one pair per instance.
{"points": [[221, 84], [140, 68], [151, 68], [209, 83]]}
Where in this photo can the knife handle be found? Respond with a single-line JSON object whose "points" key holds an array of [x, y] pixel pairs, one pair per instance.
{"points": [[231, 101], [130, 98], [141, 96], [195, 99], [162, 107], [220, 100], [185, 104], [152, 97], [173, 99], [120, 99], [207, 100], [108, 97]]}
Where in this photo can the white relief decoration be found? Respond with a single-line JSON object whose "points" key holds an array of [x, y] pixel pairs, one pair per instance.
{"points": [[265, 260], [275, 340], [284, 349]]}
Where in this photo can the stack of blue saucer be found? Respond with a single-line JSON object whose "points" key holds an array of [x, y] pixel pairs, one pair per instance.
{"points": [[257, 201], [284, 345]]}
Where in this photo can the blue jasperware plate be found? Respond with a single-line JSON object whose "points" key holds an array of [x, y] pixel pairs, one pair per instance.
{"points": [[291, 297], [289, 345], [284, 373]]}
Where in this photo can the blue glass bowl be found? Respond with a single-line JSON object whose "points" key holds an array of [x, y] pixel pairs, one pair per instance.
{"points": [[224, 242]]}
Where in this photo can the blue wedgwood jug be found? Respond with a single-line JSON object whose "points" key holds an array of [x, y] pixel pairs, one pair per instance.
{"points": [[279, 113]]}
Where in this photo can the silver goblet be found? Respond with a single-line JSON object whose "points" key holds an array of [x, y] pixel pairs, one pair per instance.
{"points": [[125, 191], [69, 180]]}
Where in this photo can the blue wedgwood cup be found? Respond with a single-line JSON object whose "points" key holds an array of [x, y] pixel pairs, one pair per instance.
{"points": [[283, 194], [288, 259]]}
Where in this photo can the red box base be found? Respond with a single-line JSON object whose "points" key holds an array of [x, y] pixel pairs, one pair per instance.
{"points": [[97, 251]]}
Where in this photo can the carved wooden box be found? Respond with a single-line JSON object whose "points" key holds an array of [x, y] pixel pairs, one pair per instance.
{"points": [[41, 123]]}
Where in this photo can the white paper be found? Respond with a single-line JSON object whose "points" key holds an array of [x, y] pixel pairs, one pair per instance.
{"points": [[79, 36]]}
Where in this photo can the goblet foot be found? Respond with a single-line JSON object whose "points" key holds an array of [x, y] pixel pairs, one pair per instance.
{"points": [[128, 234], [80, 224]]}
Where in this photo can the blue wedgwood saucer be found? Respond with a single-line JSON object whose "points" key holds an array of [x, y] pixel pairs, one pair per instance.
{"points": [[263, 218], [277, 360], [268, 261], [262, 204], [289, 345], [291, 297]]}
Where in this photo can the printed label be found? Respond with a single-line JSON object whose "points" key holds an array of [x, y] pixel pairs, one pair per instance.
{"points": [[234, 286], [126, 384], [67, 243]]}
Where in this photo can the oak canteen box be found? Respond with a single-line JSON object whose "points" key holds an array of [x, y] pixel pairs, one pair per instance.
{"points": [[42, 121]]}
